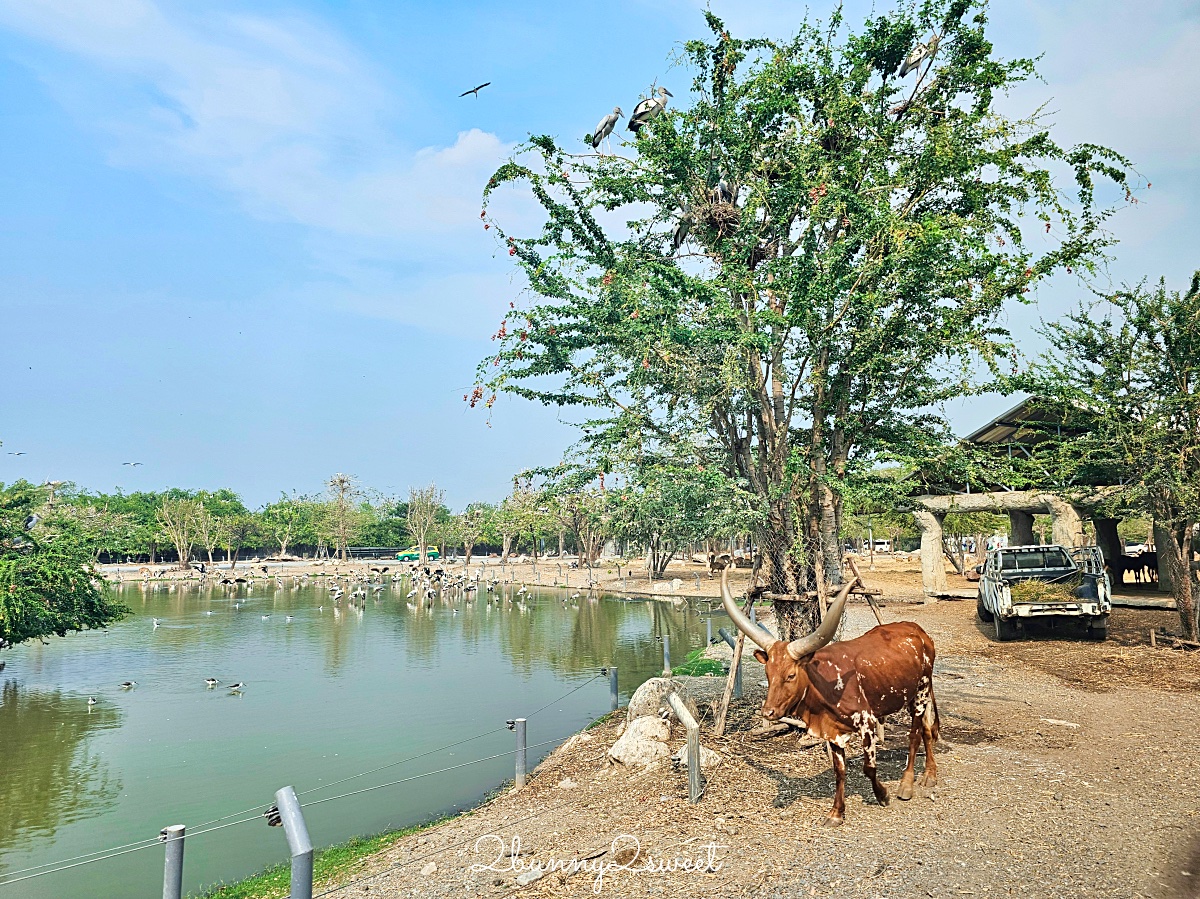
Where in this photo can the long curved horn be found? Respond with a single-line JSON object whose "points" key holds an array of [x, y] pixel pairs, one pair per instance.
{"points": [[810, 643], [740, 618]]}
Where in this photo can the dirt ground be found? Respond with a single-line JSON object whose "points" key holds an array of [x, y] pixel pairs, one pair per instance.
{"points": [[1068, 769]]}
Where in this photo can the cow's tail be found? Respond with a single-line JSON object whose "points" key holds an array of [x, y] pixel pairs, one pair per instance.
{"points": [[932, 720]]}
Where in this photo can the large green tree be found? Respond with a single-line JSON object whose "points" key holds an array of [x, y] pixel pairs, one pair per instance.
{"points": [[1121, 384], [47, 581], [799, 261]]}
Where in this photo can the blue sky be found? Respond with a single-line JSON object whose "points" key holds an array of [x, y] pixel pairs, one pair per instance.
{"points": [[239, 242]]}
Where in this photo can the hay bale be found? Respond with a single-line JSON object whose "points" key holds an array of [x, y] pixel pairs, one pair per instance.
{"points": [[1043, 591]]}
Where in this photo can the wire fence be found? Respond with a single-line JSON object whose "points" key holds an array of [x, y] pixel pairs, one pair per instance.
{"points": [[258, 810]]}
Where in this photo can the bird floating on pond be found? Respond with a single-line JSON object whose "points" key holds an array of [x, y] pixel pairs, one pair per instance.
{"points": [[91, 702], [211, 682], [648, 109], [236, 688], [126, 685], [155, 620], [475, 90]]}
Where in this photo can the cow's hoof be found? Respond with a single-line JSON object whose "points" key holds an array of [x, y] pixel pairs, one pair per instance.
{"points": [[832, 821], [885, 800], [905, 792], [928, 780]]}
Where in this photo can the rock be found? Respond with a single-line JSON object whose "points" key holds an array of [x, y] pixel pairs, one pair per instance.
{"points": [[651, 697], [529, 877], [567, 784], [429, 869], [644, 743], [708, 758]]}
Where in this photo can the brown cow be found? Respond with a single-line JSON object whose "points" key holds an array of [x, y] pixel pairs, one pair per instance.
{"points": [[846, 688]]}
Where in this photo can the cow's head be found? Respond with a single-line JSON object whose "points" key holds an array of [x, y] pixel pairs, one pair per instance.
{"points": [[785, 661]]}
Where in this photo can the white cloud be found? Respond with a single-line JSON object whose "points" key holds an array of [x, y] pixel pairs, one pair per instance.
{"points": [[276, 111]]}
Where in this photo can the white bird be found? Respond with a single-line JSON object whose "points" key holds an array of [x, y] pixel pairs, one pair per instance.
{"points": [[155, 620], [605, 127], [648, 109], [266, 617], [682, 227], [211, 682], [920, 53], [91, 701], [236, 688], [125, 685], [287, 618]]}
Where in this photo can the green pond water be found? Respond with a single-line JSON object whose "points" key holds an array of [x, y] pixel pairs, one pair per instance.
{"points": [[329, 694]]}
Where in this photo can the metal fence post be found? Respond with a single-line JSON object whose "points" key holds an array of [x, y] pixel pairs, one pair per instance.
{"points": [[737, 677], [666, 655], [298, 842], [693, 745], [520, 729], [708, 631], [753, 616], [173, 866], [612, 688]]}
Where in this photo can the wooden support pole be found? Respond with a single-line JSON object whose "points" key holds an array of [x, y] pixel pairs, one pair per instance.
{"points": [[870, 597], [723, 711]]}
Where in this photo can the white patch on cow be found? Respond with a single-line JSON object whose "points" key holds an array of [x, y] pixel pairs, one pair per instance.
{"points": [[841, 685]]}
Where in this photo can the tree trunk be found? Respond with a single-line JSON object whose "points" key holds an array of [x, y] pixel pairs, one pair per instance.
{"points": [[1178, 551], [507, 539], [468, 548]]}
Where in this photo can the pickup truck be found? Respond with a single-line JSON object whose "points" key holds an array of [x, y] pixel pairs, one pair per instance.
{"points": [[1018, 583]]}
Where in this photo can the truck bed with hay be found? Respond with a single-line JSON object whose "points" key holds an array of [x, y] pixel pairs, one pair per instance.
{"points": [[1018, 583]]}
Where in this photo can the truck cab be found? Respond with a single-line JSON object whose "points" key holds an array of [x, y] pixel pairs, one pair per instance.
{"points": [[1018, 583]]}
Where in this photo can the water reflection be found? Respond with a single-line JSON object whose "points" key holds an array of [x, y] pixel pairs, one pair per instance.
{"points": [[367, 686], [50, 778]]}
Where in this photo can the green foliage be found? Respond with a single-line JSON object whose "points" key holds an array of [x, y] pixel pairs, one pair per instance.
{"points": [[697, 666], [47, 583], [1120, 388], [851, 238]]}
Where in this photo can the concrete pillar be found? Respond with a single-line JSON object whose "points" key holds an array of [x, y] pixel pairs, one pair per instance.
{"points": [[1107, 539], [1020, 529], [1067, 525], [933, 567]]}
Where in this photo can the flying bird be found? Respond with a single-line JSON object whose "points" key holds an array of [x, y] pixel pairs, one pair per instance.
{"points": [[605, 127], [648, 109], [475, 90], [133, 464], [17, 454]]}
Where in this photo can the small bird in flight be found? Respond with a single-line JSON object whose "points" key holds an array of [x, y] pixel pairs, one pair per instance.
{"points": [[475, 90], [133, 464], [17, 454]]}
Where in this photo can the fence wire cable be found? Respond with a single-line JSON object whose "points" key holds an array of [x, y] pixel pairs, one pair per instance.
{"points": [[156, 841], [393, 783]]}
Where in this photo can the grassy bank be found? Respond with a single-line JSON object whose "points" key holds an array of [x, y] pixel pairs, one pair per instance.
{"points": [[331, 866]]}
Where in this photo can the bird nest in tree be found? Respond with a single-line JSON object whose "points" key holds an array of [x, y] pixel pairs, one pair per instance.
{"points": [[724, 218], [1044, 591]]}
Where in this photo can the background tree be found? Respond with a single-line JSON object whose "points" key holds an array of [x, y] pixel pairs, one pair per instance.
{"points": [[802, 263], [424, 504], [47, 582], [473, 523], [207, 530], [239, 530], [177, 518], [1124, 381], [344, 518], [287, 519]]}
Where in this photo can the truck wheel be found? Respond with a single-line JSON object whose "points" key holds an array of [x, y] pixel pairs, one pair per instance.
{"points": [[1098, 630], [981, 610], [1005, 629]]}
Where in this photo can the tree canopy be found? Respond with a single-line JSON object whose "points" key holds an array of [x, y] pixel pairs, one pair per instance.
{"points": [[47, 582], [792, 268]]}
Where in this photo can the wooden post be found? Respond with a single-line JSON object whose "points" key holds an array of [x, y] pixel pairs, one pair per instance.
{"points": [[870, 598], [723, 711], [1153, 641]]}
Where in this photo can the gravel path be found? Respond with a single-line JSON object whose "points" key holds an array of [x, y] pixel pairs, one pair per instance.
{"points": [[1061, 776]]}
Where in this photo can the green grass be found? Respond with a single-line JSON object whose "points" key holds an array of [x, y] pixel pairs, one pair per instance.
{"points": [[695, 665], [330, 866]]}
